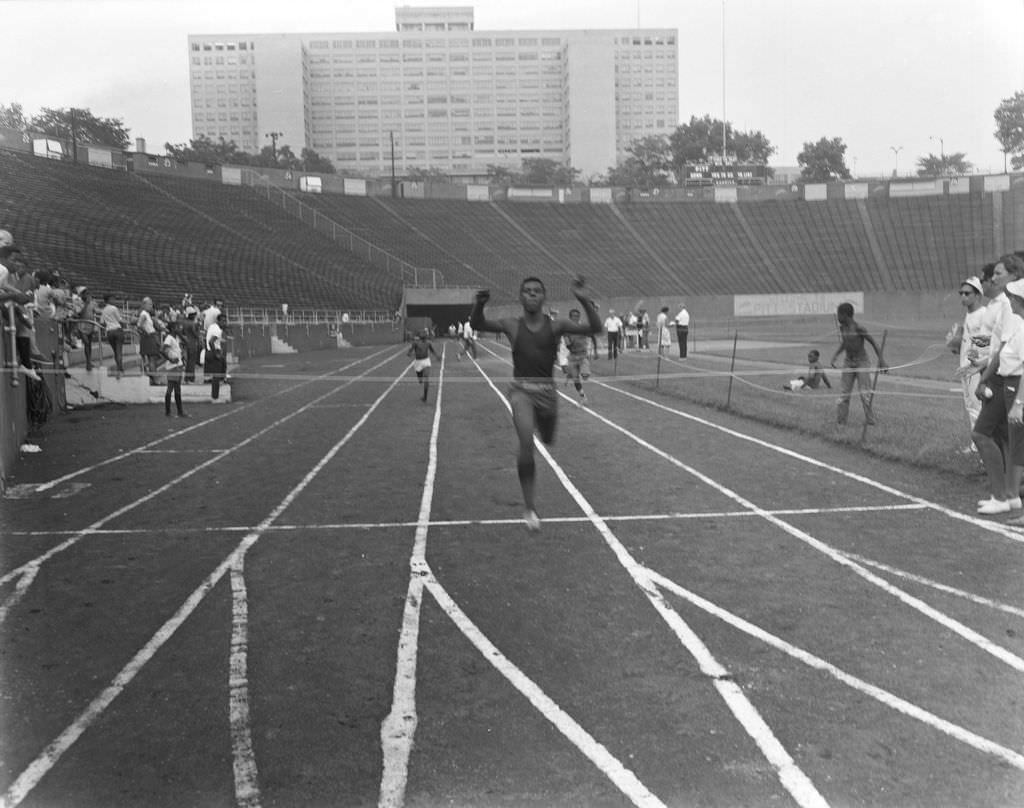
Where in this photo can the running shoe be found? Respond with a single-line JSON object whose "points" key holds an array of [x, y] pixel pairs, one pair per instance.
{"points": [[532, 521], [993, 506], [1014, 502]]}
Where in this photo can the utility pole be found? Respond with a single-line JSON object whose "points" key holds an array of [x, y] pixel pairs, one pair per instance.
{"points": [[394, 184], [723, 82], [74, 137], [273, 143]]}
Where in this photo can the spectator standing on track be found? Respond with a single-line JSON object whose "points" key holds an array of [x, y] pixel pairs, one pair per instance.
{"points": [[85, 323], [682, 322], [970, 340], [991, 429], [815, 375], [112, 328], [577, 366], [664, 335], [1011, 366], [420, 351], [174, 366], [852, 339], [644, 327], [149, 342], [215, 367], [467, 340], [190, 340], [533, 396], [613, 326]]}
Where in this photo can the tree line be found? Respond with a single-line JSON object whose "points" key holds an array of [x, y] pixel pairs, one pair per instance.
{"points": [[652, 162]]}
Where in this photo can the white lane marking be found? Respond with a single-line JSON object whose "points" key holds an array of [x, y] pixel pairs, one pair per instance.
{"points": [[206, 422], [606, 762], [958, 628], [398, 729], [994, 527], [941, 587], [961, 734], [627, 517], [32, 566], [247, 791], [793, 779], [48, 758]]}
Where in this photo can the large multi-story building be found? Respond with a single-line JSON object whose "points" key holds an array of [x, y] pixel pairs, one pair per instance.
{"points": [[436, 93]]}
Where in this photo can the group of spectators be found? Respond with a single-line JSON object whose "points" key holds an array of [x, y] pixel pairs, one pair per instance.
{"points": [[82, 322], [638, 324], [990, 344]]}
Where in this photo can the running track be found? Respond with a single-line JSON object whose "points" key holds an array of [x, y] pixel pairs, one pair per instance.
{"points": [[322, 595]]}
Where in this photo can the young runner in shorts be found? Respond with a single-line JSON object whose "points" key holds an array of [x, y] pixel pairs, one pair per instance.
{"points": [[534, 338]]}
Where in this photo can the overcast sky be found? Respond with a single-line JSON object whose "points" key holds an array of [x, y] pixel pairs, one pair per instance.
{"points": [[877, 73]]}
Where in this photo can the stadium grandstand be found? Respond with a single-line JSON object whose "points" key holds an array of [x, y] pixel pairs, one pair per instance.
{"points": [[165, 233]]}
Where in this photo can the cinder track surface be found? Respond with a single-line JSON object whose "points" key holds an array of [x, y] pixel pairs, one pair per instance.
{"points": [[321, 594]]}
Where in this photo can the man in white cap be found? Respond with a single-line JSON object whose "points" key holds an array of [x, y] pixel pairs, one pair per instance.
{"points": [[682, 322], [970, 341]]}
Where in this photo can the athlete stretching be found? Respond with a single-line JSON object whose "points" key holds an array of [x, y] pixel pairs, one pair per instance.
{"points": [[534, 338]]}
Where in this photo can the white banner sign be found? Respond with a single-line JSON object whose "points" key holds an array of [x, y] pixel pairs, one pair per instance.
{"points": [[795, 304]]}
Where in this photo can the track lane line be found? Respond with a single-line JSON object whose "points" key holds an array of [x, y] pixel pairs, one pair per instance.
{"points": [[179, 432], [792, 778], [31, 568], [29, 778], [890, 700]]}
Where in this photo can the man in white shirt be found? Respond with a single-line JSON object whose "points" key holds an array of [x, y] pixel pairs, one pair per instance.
{"points": [[682, 322], [971, 342], [990, 433], [613, 325], [468, 335]]}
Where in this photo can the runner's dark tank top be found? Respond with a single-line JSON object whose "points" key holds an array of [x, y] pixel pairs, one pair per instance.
{"points": [[533, 353]]}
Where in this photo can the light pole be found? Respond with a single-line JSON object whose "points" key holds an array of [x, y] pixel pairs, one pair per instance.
{"points": [[273, 143], [896, 150], [723, 82], [942, 153]]}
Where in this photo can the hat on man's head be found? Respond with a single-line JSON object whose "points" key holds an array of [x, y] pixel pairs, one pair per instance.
{"points": [[7, 241], [1015, 288], [974, 282]]}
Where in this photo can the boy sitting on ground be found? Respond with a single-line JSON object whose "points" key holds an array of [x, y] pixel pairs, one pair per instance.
{"points": [[814, 378]]}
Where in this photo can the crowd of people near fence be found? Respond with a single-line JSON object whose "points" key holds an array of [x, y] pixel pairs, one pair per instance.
{"points": [[990, 345], [174, 339]]}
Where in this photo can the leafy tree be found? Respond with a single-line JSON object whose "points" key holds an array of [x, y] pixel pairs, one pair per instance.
{"points": [[545, 171], [502, 175], [429, 174], [80, 126], [13, 117], [1009, 132], [311, 161], [649, 164], [947, 165], [823, 161], [204, 150], [701, 139]]}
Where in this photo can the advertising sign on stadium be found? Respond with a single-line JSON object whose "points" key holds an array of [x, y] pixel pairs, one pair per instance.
{"points": [[714, 174], [794, 304]]}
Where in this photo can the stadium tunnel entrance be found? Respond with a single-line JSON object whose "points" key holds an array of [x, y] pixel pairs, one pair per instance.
{"points": [[437, 308]]}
